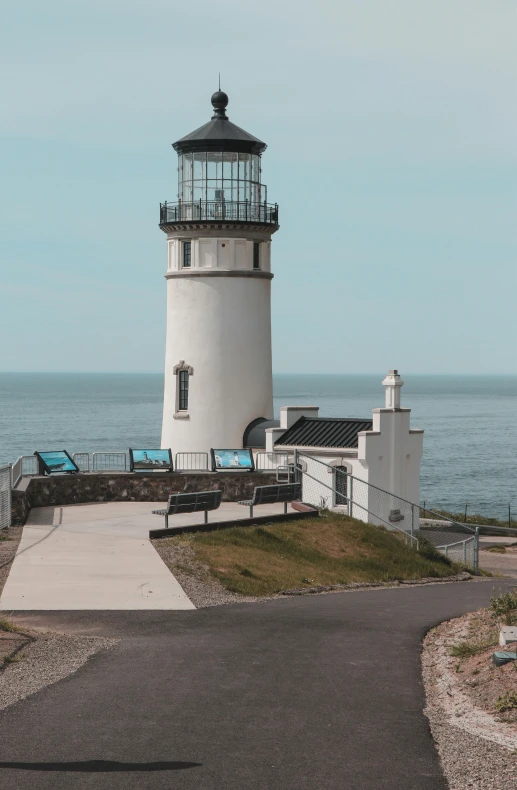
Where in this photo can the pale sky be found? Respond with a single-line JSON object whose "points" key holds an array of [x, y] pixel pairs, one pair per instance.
{"points": [[391, 128]]}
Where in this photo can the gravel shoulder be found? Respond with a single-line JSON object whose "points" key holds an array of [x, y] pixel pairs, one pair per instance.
{"points": [[477, 749], [41, 659], [504, 564], [195, 577]]}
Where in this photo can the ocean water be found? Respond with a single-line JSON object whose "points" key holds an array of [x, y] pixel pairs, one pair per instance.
{"points": [[470, 422]]}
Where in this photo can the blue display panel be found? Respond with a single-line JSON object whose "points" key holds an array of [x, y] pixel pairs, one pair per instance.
{"points": [[232, 460], [53, 461], [150, 460]]}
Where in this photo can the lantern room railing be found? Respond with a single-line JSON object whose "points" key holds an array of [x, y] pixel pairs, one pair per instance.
{"points": [[217, 211]]}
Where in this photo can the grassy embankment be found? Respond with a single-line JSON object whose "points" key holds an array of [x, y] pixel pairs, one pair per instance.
{"points": [[332, 549]]}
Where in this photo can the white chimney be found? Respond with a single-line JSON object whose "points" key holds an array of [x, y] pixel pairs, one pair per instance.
{"points": [[291, 414], [393, 384]]}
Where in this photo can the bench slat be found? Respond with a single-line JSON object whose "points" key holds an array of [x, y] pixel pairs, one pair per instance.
{"points": [[264, 495], [285, 492], [192, 502]]}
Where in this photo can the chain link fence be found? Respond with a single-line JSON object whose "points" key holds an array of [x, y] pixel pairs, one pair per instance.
{"points": [[333, 488], [326, 486], [5, 497]]}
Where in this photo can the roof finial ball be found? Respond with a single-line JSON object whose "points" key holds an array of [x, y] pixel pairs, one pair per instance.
{"points": [[219, 103]]}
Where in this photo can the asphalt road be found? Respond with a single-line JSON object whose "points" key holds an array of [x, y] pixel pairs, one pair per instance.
{"points": [[311, 693]]}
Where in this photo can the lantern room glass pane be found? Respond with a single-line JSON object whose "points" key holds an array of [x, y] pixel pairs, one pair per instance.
{"points": [[255, 168], [199, 166], [219, 176]]}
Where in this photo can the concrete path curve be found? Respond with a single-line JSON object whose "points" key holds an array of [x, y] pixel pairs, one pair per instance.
{"points": [[312, 693], [91, 557]]}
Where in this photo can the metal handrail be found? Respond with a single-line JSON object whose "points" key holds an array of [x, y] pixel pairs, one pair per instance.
{"points": [[217, 210], [109, 462], [191, 462], [266, 462], [350, 476], [5, 496], [413, 541], [19, 468], [16, 472], [82, 461], [446, 546]]}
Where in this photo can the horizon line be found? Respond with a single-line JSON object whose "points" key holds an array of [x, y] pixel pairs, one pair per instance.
{"points": [[275, 373]]}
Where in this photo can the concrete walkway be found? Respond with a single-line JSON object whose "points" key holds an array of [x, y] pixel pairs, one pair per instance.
{"points": [[98, 556], [91, 557]]}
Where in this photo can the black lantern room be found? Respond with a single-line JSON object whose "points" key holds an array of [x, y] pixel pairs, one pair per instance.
{"points": [[219, 175]]}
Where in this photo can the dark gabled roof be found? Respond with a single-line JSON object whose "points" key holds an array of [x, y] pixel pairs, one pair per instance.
{"points": [[324, 432], [220, 134]]}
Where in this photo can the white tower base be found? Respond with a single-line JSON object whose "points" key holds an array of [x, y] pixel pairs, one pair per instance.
{"points": [[219, 331]]}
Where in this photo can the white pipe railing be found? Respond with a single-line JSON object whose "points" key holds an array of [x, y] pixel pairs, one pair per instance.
{"points": [[16, 472], [5, 496], [82, 461], [191, 462], [28, 465], [268, 462], [24, 466], [109, 462]]}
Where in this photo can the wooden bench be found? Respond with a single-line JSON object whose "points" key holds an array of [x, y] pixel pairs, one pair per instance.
{"points": [[267, 495], [190, 503]]}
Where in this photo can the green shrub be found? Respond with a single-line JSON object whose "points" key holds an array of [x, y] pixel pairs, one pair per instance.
{"points": [[430, 552], [504, 606], [468, 649], [6, 625], [508, 701]]}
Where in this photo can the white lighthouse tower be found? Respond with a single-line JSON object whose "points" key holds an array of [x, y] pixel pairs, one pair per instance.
{"points": [[218, 373]]}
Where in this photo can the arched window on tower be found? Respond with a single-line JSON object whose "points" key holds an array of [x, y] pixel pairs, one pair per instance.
{"points": [[183, 372], [256, 255], [183, 391]]}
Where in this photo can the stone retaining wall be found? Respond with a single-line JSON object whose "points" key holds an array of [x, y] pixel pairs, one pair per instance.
{"points": [[119, 487]]}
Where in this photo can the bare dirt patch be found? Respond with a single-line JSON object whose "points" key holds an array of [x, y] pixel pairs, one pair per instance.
{"points": [[477, 741], [485, 684]]}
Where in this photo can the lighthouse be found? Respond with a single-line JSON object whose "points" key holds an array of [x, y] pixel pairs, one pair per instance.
{"points": [[218, 370]]}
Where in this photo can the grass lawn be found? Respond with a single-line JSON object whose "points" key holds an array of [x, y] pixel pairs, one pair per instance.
{"points": [[331, 549]]}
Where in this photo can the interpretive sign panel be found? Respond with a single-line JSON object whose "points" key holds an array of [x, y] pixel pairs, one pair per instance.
{"points": [[150, 460], [232, 460], [54, 461]]}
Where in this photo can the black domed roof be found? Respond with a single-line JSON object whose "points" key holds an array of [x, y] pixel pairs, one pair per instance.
{"points": [[220, 102], [220, 134]]}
